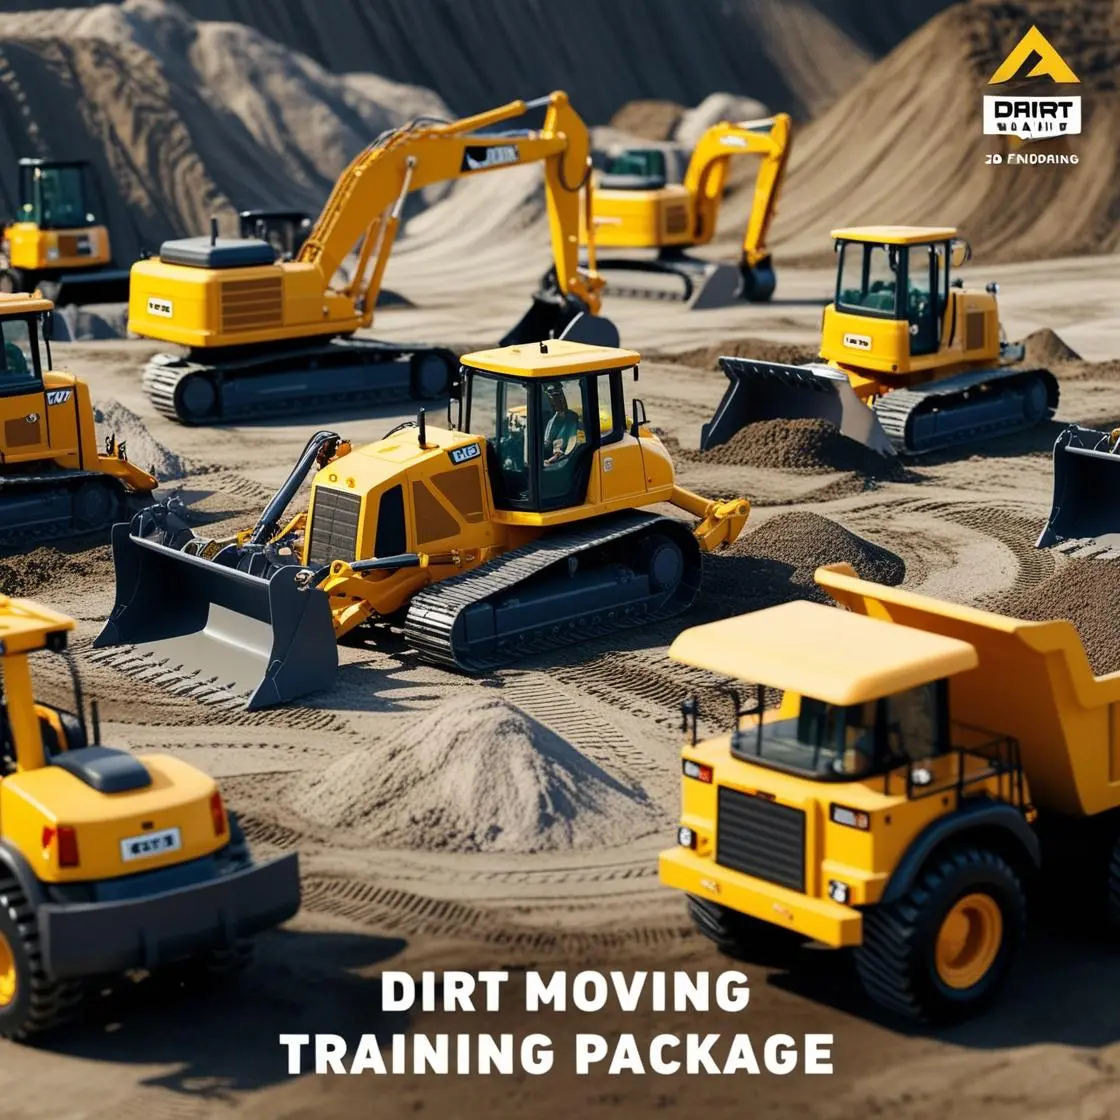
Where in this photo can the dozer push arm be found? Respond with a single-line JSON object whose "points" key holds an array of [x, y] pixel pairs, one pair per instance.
{"points": [[365, 206], [720, 522], [706, 177]]}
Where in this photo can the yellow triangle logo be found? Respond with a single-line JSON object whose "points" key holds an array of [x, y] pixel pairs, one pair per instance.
{"points": [[1050, 64]]}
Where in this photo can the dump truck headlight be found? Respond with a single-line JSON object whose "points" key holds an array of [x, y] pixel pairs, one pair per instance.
{"points": [[839, 892], [686, 837], [850, 818], [697, 770]]}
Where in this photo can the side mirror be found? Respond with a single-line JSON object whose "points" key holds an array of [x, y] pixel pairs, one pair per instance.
{"points": [[638, 416], [961, 252], [455, 394], [635, 373]]}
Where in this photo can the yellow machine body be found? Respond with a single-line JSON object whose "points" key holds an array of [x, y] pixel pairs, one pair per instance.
{"points": [[34, 249]]}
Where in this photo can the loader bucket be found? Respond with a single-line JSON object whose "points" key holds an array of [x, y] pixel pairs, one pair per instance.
{"points": [[1086, 502], [772, 391], [268, 637]]}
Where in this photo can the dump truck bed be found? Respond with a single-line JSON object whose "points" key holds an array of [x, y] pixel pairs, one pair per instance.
{"points": [[1033, 682]]}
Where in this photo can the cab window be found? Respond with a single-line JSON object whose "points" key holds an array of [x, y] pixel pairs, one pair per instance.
{"points": [[612, 411], [564, 406], [20, 368], [867, 279], [55, 197], [498, 411]]}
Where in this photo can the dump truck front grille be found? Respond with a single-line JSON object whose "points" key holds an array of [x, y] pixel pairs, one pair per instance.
{"points": [[334, 526], [249, 305], [761, 838]]}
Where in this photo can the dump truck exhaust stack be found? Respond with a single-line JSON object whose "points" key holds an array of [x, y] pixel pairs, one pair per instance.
{"points": [[271, 637], [1086, 502], [773, 391]]}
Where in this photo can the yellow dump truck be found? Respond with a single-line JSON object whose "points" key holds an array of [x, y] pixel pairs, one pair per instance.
{"points": [[900, 797]]}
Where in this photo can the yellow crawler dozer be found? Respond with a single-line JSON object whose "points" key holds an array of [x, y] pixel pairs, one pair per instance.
{"points": [[514, 530]]}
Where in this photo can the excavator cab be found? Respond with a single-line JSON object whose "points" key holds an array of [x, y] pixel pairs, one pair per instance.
{"points": [[284, 230]]}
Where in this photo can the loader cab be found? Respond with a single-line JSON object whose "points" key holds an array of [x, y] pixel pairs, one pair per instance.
{"points": [[56, 194], [544, 409], [899, 273]]}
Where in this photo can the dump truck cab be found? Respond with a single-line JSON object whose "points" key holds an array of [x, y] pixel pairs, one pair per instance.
{"points": [[109, 862]]}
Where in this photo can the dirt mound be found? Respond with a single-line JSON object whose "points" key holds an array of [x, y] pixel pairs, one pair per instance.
{"points": [[762, 349], [112, 418], [1081, 592], [775, 563], [905, 144], [475, 775], [1045, 348], [180, 119], [29, 574], [651, 120], [800, 444]]}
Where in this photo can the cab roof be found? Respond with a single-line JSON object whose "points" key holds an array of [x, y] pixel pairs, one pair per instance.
{"points": [[24, 625], [824, 652], [552, 358], [895, 235], [21, 303]]}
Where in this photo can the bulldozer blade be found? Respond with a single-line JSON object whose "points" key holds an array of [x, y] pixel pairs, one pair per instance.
{"points": [[270, 637], [772, 391], [1086, 502]]}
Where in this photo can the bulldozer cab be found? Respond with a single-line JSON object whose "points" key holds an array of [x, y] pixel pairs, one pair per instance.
{"points": [[56, 194], [544, 410], [24, 358], [898, 272]]}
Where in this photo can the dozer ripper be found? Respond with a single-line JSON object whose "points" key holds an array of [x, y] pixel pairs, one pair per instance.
{"points": [[55, 242], [926, 767], [640, 204], [1084, 515], [264, 336], [54, 481], [110, 863], [516, 530], [911, 361]]}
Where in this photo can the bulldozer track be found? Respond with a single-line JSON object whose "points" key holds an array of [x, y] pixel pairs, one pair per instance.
{"points": [[413, 914], [434, 613]]}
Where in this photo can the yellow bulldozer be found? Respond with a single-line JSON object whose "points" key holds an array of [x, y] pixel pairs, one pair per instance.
{"points": [[54, 481], [517, 529], [907, 768], [266, 336], [912, 362], [55, 241], [642, 202], [110, 863]]}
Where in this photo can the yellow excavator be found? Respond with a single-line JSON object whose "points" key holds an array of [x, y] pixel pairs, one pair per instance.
{"points": [[641, 202], [911, 361], [515, 530], [54, 481], [264, 336], [110, 862], [55, 242]]}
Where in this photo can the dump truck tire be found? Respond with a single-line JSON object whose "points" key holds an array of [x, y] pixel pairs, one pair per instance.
{"points": [[943, 950], [737, 935], [29, 1002]]}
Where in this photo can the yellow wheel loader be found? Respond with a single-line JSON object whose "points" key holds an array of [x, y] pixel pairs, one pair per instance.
{"points": [[55, 242], [54, 482], [906, 769], [640, 203], [1085, 512], [517, 530], [110, 863], [911, 361], [262, 335]]}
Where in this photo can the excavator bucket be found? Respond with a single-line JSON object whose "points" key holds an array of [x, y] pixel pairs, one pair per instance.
{"points": [[555, 317], [772, 391], [1086, 502], [270, 638]]}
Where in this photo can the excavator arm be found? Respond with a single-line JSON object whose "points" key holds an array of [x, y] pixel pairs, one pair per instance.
{"points": [[706, 177], [366, 205]]}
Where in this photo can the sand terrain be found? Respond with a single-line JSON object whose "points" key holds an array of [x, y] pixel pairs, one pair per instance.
{"points": [[574, 885], [417, 852]]}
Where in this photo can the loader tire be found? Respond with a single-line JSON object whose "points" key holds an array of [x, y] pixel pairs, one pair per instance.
{"points": [[943, 950], [737, 935], [29, 1002]]}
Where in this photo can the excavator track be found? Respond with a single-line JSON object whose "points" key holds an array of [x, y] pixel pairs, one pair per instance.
{"points": [[290, 380], [58, 504], [541, 597], [971, 406]]}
